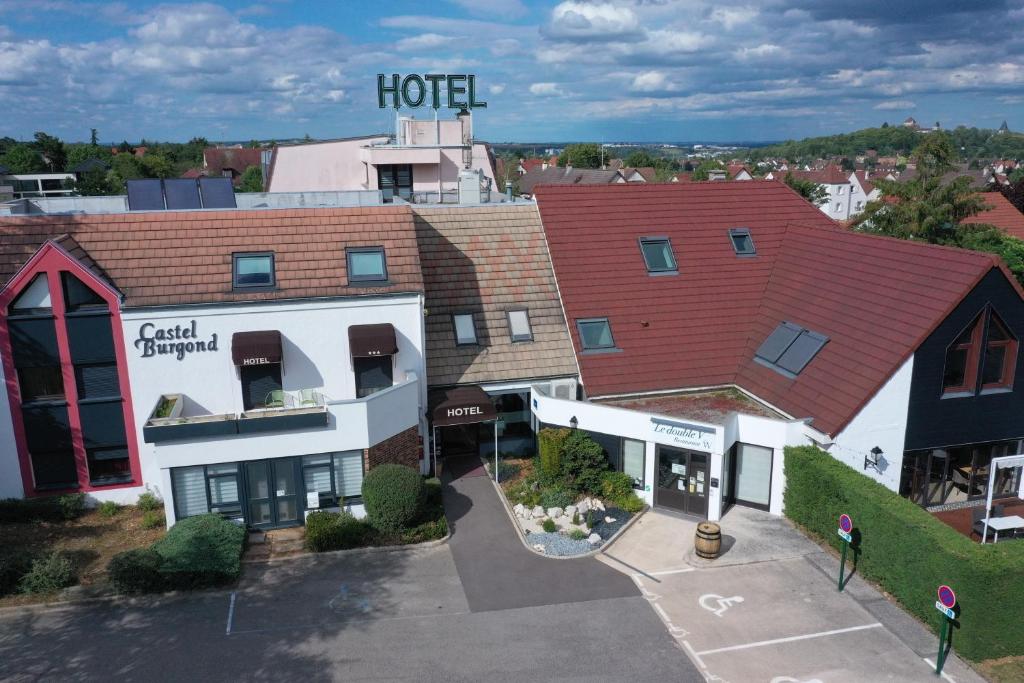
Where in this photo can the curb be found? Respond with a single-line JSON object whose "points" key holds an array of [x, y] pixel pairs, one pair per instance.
{"points": [[368, 550], [522, 535], [140, 599]]}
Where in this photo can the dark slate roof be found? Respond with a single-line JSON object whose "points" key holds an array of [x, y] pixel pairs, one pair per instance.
{"points": [[486, 261], [554, 175], [90, 165], [184, 257], [875, 298]]}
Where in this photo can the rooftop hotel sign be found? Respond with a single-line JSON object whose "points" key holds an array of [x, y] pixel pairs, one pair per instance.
{"points": [[415, 91]]}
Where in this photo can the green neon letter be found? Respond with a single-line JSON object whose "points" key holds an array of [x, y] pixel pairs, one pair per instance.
{"points": [[473, 104], [454, 90], [435, 88], [383, 90], [421, 90]]}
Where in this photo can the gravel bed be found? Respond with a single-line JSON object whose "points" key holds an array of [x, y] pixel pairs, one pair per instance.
{"points": [[559, 544], [606, 530]]}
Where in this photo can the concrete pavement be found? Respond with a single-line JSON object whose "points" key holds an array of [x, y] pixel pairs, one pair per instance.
{"points": [[769, 610]]}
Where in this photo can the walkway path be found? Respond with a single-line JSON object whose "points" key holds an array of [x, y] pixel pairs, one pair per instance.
{"points": [[497, 571]]}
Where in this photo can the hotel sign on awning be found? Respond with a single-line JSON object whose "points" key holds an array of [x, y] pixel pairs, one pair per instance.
{"points": [[412, 90]]}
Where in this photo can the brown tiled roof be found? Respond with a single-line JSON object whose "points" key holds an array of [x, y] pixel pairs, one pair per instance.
{"points": [[216, 159], [1002, 214], [184, 257], [830, 175], [486, 261], [554, 175]]}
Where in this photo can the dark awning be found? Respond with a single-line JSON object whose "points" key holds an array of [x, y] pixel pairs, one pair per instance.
{"points": [[256, 348], [463, 405], [372, 340]]}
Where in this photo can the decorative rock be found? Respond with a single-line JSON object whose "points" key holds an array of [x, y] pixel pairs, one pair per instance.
{"points": [[609, 520], [518, 510], [538, 512], [593, 539], [570, 510], [598, 505], [539, 547], [555, 512], [583, 507]]}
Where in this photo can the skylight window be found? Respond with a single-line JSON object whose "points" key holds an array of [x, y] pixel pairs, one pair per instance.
{"points": [[658, 255], [252, 270], [366, 264], [519, 326], [595, 334], [465, 328], [789, 348], [742, 242]]}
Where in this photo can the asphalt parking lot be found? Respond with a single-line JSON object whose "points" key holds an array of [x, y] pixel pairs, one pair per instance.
{"points": [[771, 611]]}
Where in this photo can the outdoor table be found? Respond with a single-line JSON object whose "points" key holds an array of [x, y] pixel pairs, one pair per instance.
{"points": [[998, 524]]}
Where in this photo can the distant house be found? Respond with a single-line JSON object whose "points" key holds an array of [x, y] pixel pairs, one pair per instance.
{"points": [[229, 162], [1002, 214], [646, 174], [739, 172], [911, 123], [89, 165], [862, 191], [684, 177], [838, 185], [1003, 129], [567, 176]]}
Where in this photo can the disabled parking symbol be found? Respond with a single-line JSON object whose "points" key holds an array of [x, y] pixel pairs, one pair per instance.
{"points": [[718, 605]]}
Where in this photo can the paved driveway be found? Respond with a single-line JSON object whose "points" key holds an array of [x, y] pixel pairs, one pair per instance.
{"points": [[769, 609]]}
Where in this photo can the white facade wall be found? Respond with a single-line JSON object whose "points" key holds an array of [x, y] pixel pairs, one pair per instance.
{"points": [[838, 206], [881, 422], [323, 166]]}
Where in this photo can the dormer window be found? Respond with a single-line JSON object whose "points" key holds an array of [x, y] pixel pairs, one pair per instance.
{"points": [[658, 256], [252, 270], [742, 242], [985, 350]]}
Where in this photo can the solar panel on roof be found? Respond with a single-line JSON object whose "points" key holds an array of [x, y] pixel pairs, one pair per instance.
{"points": [[182, 193], [145, 195], [217, 193], [802, 351], [778, 341]]}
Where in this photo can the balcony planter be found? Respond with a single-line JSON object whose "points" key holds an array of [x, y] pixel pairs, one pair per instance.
{"points": [[167, 424], [282, 419]]}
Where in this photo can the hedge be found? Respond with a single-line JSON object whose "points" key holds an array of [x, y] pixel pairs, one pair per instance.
{"points": [[49, 509], [205, 550], [394, 496], [327, 531], [909, 553]]}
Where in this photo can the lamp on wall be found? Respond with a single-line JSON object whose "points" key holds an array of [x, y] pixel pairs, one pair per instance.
{"points": [[574, 423], [872, 459]]}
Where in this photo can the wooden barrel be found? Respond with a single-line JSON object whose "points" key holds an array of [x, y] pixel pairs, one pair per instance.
{"points": [[708, 540]]}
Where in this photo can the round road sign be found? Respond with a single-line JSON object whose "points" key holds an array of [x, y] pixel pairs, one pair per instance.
{"points": [[845, 523], [947, 597]]}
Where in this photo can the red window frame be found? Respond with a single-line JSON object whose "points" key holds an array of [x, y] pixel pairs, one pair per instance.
{"points": [[973, 360], [1009, 357], [52, 260], [977, 343]]}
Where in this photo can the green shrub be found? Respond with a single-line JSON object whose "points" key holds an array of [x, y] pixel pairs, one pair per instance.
{"points": [[149, 503], [14, 564], [49, 509], [506, 470], [616, 485], [48, 575], [151, 519], [578, 535], [556, 497], [327, 531], [108, 508], [137, 571], [631, 503], [71, 505], [523, 491], [549, 525], [428, 531], [576, 518], [394, 496], [550, 446], [910, 553], [199, 551], [583, 463]]}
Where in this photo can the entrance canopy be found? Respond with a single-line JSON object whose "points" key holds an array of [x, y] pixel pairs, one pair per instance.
{"points": [[372, 340], [463, 405], [256, 348], [1002, 462]]}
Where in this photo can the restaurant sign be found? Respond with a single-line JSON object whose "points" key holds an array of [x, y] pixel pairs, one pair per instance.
{"points": [[177, 341], [414, 91], [683, 434]]}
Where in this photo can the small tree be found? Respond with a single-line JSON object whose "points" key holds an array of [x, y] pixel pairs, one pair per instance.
{"points": [[583, 462], [808, 189], [252, 180], [702, 172], [22, 158], [550, 445], [584, 155]]}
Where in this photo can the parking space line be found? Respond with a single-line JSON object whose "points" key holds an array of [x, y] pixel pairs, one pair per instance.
{"points": [[790, 639], [231, 614], [944, 674], [672, 571], [693, 655]]}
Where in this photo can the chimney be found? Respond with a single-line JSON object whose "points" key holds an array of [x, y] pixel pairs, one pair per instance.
{"points": [[544, 166]]}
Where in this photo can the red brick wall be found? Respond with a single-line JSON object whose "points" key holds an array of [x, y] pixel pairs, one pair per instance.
{"points": [[401, 449]]}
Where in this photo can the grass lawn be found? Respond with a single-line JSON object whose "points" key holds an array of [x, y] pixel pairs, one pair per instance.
{"points": [[89, 542], [1005, 670]]}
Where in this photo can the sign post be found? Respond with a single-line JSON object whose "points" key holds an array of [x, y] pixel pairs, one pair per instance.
{"points": [[845, 527], [945, 604]]}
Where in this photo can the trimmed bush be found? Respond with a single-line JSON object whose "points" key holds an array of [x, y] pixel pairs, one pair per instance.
{"points": [[631, 503], [50, 509], [550, 446], [200, 551], [109, 508], [327, 531], [149, 503], [428, 531], [394, 496], [14, 564], [152, 519], [71, 505], [616, 485], [48, 575], [549, 525], [556, 497], [910, 553], [137, 571], [583, 463]]}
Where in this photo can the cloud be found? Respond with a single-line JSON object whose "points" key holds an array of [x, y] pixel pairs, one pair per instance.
{"points": [[650, 81], [505, 47], [496, 88], [424, 41], [545, 89], [889, 105], [507, 9], [588, 21], [729, 18]]}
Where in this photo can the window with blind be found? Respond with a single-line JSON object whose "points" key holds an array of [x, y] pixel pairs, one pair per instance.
{"points": [[335, 477], [633, 461], [207, 488]]}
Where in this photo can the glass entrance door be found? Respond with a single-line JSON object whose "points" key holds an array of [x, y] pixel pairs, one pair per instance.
{"points": [[683, 480], [272, 493], [748, 476]]}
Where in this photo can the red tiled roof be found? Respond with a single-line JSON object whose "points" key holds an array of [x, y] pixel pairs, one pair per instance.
{"points": [[865, 184], [876, 298], [184, 257], [734, 169], [1003, 215], [192, 173], [830, 175]]}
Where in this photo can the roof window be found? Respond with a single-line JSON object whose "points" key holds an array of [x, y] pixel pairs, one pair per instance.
{"points": [[658, 255], [742, 242], [465, 329], [252, 270], [789, 348], [366, 264], [519, 325], [595, 334]]}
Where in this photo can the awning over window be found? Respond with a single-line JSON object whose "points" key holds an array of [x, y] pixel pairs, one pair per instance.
{"points": [[372, 340], [256, 348], [462, 405]]}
